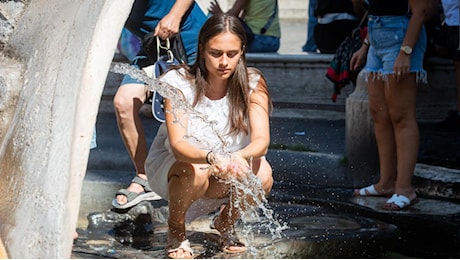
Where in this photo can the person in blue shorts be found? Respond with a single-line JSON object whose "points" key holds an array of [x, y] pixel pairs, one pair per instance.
{"points": [[165, 19]]}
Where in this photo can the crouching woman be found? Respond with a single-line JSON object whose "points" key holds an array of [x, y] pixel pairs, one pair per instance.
{"points": [[192, 162]]}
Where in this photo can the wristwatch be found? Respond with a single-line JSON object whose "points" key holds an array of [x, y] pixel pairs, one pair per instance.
{"points": [[366, 42], [406, 49]]}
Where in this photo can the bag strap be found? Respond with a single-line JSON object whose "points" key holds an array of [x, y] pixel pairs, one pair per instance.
{"points": [[363, 19], [360, 23], [270, 20], [167, 47]]}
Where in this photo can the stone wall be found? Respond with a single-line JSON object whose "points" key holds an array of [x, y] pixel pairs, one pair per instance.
{"points": [[54, 59]]}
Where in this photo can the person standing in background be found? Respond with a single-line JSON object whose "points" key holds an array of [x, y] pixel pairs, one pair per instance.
{"points": [[261, 21], [395, 48], [165, 18], [452, 23], [310, 44], [336, 20]]}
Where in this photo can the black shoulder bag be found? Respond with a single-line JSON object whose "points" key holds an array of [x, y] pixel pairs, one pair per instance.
{"points": [[175, 45]]}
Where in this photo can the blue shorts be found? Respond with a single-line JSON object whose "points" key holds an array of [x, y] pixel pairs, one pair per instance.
{"points": [[127, 79], [386, 34]]}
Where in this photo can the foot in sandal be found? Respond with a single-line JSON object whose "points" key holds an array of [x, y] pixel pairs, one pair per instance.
{"points": [[400, 202], [178, 245], [179, 250], [371, 191], [228, 241], [126, 198]]}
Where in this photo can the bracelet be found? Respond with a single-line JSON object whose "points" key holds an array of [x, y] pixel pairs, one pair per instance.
{"points": [[207, 158]]}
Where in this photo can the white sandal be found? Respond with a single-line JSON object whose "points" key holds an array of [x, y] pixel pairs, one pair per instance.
{"points": [[367, 191], [370, 191], [399, 202], [175, 246]]}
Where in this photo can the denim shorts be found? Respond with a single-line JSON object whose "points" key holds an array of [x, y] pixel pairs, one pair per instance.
{"points": [[386, 34]]}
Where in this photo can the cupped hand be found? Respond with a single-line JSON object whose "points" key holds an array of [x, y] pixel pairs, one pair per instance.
{"points": [[231, 165]]}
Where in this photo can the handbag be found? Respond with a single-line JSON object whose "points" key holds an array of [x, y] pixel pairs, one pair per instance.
{"points": [[339, 69], [155, 47], [165, 58]]}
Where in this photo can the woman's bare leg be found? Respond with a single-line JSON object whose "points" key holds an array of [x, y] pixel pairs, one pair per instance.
{"points": [[187, 183], [384, 135], [401, 97]]}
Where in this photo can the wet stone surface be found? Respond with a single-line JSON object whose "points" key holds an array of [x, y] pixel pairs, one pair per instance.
{"points": [[322, 223], [313, 232]]}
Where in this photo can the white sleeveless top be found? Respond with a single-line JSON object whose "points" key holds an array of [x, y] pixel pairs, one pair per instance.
{"points": [[200, 133]]}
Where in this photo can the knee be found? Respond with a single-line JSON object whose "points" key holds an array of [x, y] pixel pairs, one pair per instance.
{"points": [[265, 174], [188, 175], [379, 115], [267, 183], [401, 119], [128, 98], [122, 102]]}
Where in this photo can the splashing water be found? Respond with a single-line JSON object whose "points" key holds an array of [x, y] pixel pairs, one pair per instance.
{"points": [[255, 212]]}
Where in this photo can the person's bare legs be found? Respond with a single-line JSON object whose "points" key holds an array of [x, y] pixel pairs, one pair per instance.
{"points": [[384, 135], [187, 183], [401, 99], [127, 102]]}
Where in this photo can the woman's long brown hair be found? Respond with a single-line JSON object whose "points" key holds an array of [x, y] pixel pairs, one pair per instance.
{"points": [[238, 84]]}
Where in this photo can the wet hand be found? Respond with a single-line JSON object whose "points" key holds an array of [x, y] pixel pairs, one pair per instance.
{"points": [[239, 165], [230, 165]]}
